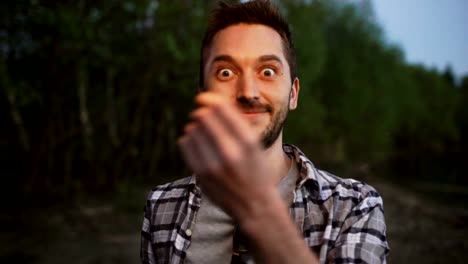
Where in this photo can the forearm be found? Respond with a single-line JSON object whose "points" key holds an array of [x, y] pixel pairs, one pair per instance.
{"points": [[273, 236]]}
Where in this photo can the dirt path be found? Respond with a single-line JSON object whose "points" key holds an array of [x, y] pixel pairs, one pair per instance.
{"points": [[419, 231], [422, 231]]}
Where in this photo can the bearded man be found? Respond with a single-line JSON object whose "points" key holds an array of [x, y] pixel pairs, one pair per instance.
{"points": [[253, 199]]}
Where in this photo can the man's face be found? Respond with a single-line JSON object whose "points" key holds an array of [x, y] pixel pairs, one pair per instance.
{"points": [[246, 62]]}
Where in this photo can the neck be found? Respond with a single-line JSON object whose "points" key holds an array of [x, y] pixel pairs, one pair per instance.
{"points": [[279, 161]]}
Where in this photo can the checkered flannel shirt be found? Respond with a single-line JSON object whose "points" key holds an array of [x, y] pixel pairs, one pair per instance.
{"points": [[342, 220]]}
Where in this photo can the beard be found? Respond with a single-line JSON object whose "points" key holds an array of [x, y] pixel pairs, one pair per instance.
{"points": [[271, 133], [273, 130]]}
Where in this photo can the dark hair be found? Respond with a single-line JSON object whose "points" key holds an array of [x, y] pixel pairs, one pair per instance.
{"points": [[253, 12]]}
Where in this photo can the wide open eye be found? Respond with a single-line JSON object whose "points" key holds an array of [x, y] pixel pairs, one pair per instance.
{"points": [[225, 73], [268, 72]]}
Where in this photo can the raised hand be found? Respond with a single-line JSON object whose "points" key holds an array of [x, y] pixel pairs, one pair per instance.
{"points": [[226, 156]]}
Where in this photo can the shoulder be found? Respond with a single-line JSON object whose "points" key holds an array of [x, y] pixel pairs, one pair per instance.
{"points": [[168, 199], [352, 209], [358, 215], [174, 189], [323, 185], [346, 189]]}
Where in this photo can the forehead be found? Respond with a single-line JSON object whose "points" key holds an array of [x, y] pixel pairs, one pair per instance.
{"points": [[246, 42]]}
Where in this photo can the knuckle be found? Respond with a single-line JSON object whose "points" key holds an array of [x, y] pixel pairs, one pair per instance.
{"points": [[219, 109]]}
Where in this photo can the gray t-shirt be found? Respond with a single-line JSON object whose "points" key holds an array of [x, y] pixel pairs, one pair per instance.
{"points": [[212, 235], [213, 231]]}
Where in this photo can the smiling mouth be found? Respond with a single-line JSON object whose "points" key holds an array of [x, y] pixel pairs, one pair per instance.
{"points": [[253, 115], [254, 112]]}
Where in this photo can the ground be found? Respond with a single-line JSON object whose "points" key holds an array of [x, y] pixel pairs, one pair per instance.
{"points": [[420, 230]]}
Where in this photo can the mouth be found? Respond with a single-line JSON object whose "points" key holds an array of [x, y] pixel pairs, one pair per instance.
{"points": [[253, 114], [254, 111], [250, 107]]}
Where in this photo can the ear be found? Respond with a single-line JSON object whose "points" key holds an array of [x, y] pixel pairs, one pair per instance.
{"points": [[294, 94]]}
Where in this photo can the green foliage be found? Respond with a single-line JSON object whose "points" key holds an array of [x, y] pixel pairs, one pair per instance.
{"points": [[95, 93], [305, 124], [352, 97]]}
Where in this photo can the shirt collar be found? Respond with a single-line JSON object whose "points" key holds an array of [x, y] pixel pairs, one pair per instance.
{"points": [[307, 172], [193, 186]]}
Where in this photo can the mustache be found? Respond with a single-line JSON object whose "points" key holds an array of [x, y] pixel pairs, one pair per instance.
{"points": [[249, 104]]}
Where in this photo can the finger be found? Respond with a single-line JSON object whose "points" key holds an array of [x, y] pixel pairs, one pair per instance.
{"points": [[189, 152], [194, 158], [228, 114], [189, 127], [200, 112], [212, 140], [225, 144], [210, 161]]}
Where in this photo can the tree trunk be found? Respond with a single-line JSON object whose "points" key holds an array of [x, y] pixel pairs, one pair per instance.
{"points": [[111, 115], [83, 108], [18, 121]]}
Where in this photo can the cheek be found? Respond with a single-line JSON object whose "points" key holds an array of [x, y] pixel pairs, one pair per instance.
{"points": [[282, 98]]}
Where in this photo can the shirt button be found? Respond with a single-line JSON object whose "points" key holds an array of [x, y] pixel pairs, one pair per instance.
{"points": [[188, 232]]}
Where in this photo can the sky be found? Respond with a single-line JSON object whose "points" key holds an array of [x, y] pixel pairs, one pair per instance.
{"points": [[430, 32]]}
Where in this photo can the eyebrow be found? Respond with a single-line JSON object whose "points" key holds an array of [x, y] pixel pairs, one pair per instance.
{"points": [[225, 58], [271, 57], [263, 58]]}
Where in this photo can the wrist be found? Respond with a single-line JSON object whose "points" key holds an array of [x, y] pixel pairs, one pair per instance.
{"points": [[262, 212], [272, 234]]}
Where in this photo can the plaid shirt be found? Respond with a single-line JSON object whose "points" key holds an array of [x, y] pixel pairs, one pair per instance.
{"points": [[342, 220]]}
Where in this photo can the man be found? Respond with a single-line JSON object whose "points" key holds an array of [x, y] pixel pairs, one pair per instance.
{"points": [[253, 199]]}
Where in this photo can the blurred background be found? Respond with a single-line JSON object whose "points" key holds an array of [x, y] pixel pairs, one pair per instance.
{"points": [[93, 95]]}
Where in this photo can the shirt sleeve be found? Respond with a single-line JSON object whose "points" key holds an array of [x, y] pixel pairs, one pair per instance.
{"points": [[146, 250], [362, 238]]}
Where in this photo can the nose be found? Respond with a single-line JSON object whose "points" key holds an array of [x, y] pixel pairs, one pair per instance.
{"points": [[247, 88]]}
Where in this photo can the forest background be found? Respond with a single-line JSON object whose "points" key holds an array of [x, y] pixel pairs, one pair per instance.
{"points": [[94, 94]]}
